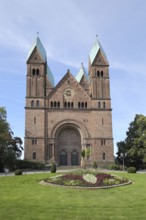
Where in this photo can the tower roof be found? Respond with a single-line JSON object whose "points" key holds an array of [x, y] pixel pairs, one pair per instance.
{"points": [[94, 51], [37, 44], [82, 72], [50, 76]]}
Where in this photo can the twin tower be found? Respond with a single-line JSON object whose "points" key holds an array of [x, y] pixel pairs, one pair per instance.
{"points": [[74, 115]]}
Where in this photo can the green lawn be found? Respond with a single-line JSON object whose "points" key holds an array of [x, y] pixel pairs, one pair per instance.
{"points": [[22, 197]]}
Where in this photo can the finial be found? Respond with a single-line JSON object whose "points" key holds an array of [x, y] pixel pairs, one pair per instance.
{"points": [[97, 36], [37, 33], [68, 70], [82, 64]]}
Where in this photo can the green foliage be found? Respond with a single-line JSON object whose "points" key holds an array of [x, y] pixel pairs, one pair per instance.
{"points": [[18, 172], [114, 167], [134, 146], [94, 166], [131, 170], [25, 164], [10, 147], [53, 168], [83, 153]]}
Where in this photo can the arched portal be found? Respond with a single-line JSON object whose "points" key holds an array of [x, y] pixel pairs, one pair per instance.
{"points": [[68, 145]]}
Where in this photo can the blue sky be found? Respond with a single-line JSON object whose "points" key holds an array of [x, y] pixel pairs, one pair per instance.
{"points": [[67, 29]]}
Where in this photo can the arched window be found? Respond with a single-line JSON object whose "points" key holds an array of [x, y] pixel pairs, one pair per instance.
{"points": [[32, 141], [34, 156], [51, 104], [101, 73], [54, 104], [103, 156], [104, 105], [98, 74], [33, 72], [72, 104], [58, 104], [32, 103], [79, 105], [65, 104], [99, 105], [37, 72], [34, 120], [68, 104], [82, 104], [37, 103], [102, 121], [85, 104]]}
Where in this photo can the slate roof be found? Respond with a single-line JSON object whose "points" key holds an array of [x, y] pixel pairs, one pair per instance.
{"points": [[37, 44], [82, 72], [50, 76], [94, 51]]}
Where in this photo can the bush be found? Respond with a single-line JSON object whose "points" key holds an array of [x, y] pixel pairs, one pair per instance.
{"points": [[26, 164], [18, 172], [94, 166], [53, 168], [131, 170], [114, 167]]}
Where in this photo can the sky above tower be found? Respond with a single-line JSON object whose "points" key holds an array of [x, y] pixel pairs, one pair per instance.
{"points": [[68, 29]]}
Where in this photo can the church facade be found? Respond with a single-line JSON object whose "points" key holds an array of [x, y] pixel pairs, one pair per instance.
{"points": [[75, 115]]}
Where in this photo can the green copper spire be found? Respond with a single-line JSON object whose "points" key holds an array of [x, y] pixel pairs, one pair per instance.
{"points": [[94, 51], [37, 44], [82, 72], [50, 76]]}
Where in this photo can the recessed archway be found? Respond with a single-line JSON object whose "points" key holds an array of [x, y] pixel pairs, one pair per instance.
{"points": [[68, 145]]}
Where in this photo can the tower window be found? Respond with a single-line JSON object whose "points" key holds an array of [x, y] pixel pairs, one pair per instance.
{"points": [[79, 105], [54, 104], [51, 104], [33, 72], [101, 73], [37, 103], [58, 104], [102, 121], [98, 74], [103, 156], [72, 104], [104, 105], [82, 104], [65, 104], [32, 103], [37, 72], [34, 156], [99, 105], [85, 104]]}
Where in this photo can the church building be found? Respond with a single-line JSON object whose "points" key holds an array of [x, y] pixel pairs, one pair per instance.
{"points": [[63, 120]]}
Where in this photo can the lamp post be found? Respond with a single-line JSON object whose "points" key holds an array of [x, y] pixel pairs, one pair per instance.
{"points": [[123, 157]]}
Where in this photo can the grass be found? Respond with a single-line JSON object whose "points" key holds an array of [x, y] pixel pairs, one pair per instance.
{"points": [[22, 197]]}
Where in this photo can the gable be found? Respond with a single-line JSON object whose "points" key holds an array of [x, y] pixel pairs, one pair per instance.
{"points": [[68, 89], [100, 59], [35, 57]]}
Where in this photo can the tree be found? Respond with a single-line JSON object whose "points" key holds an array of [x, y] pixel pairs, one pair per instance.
{"points": [[10, 147], [134, 146]]}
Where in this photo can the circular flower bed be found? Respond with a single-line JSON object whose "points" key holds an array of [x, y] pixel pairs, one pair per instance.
{"points": [[86, 179]]}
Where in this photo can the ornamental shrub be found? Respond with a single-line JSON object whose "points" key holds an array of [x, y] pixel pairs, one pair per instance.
{"points": [[18, 172], [114, 167], [131, 170], [53, 168], [94, 166]]}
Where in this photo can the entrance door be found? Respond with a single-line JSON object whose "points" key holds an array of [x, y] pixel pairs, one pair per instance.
{"points": [[63, 158], [74, 158]]}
